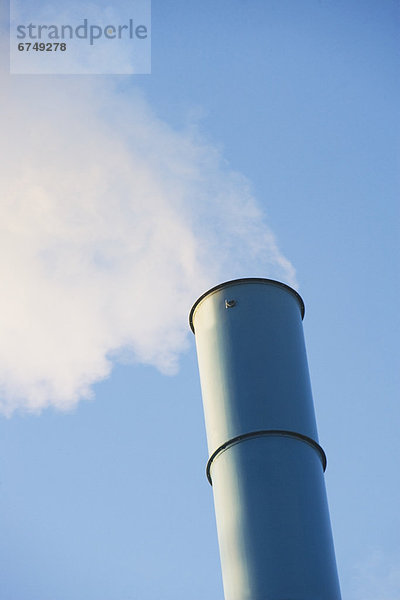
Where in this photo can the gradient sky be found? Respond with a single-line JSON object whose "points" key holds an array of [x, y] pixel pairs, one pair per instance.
{"points": [[109, 501]]}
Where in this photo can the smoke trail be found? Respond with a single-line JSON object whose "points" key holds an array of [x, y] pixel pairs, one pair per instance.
{"points": [[112, 223], [376, 577]]}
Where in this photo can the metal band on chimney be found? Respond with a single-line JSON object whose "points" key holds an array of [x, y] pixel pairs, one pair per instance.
{"points": [[262, 433]]}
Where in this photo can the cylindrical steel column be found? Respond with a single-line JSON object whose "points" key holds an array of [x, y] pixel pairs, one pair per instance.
{"points": [[266, 465]]}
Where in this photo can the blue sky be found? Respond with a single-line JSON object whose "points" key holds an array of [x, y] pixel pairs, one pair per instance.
{"points": [[272, 118]]}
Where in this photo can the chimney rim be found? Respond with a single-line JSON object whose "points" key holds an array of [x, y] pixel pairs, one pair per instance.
{"points": [[245, 280]]}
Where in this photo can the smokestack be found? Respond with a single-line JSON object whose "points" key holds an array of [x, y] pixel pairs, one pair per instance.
{"points": [[266, 466]]}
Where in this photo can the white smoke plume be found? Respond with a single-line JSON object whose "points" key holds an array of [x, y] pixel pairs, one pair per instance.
{"points": [[377, 577], [111, 224]]}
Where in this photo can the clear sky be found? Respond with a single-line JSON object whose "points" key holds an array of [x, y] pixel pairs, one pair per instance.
{"points": [[264, 142]]}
